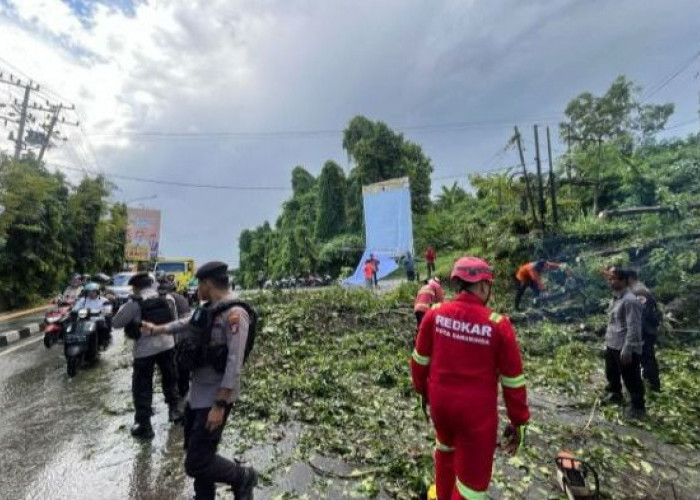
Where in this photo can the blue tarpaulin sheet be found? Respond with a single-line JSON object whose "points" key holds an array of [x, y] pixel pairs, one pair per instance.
{"points": [[388, 226]]}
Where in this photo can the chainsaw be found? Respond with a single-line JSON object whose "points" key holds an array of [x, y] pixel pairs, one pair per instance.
{"points": [[577, 479]]}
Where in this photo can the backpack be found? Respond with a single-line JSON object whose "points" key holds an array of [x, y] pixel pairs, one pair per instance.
{"points": [[155, 310], [196, 351]]}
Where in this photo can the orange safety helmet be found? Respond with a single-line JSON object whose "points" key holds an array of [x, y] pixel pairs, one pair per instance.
{"points": [[472, 270]]}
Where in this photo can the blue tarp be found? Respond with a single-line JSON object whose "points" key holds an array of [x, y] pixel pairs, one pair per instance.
{"points": [[388, 226]]}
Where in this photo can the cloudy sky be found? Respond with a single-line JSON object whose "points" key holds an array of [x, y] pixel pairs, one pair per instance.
{"points": [[238, 93]]}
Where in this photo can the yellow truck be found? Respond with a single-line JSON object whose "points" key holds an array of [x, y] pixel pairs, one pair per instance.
{"points": [[182, 269]]}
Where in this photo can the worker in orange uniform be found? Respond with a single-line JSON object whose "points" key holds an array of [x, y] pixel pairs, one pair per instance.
{"points": [[462, 351], [430, 294], [530, 276]]}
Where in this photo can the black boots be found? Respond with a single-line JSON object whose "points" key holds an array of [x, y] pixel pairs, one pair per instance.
{"points": [[248, 479], [142, 430]]}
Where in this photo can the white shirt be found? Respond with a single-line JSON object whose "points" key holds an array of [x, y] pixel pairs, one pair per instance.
{"points": [[97, 304]]}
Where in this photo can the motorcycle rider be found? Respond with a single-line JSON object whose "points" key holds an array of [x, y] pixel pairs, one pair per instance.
{"points": [[93, 302], [148, 352], [212, 393], [73, 290], [462, 351]]}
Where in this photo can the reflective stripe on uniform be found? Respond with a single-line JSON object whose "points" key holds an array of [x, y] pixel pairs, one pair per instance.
{"points": [[495, 317], [468, 493], [513, 382], [435, 306], [421, 308], [421, 360], [443, 447]]}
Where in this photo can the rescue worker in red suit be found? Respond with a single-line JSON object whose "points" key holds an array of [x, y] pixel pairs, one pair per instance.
{"points": [[462, 352], [429, 295]]}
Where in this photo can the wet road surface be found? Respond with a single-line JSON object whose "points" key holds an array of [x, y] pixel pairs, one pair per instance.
{"points": [[68, 439]]}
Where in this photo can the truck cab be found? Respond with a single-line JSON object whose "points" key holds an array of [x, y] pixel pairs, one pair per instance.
{"points": [[182, 269]]}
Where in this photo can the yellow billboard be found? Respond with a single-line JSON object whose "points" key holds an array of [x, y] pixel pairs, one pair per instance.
{"points": [[142, 234]]}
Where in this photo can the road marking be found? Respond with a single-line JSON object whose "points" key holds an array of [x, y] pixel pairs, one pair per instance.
{"points": [[24, 344]]}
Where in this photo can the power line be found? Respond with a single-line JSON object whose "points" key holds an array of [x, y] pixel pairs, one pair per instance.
{"points": [[183, 184], [217, 135], [669, 78]]}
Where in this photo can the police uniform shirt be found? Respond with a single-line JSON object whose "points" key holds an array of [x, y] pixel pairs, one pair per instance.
{"points": [[231, 328], [146, 345]]}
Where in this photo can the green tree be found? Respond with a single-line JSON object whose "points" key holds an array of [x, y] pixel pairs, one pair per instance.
{"points": [[330, 220], [302, 181]]}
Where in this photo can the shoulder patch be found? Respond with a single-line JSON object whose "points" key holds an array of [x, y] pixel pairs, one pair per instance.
{"points": [[642, 299], [495, 317]]}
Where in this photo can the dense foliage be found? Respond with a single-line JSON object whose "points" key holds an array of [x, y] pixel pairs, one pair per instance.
{"points": [[49, 229], [320, 229], [330, 369]]}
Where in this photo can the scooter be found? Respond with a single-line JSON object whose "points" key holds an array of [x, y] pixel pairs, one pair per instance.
{"points": [[86, 334], [54, 324]]}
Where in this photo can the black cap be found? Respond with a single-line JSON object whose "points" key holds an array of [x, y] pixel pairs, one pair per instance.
{"points": [[140, 280], [212, 269]]}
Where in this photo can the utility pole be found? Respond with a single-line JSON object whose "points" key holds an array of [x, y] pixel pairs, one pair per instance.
{"points": [[528, 191], [22, 121], [47, 140], [540, 187], [552, 182]]}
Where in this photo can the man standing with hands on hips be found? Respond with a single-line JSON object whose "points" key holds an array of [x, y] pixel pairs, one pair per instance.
{"points": [[215, 383]]}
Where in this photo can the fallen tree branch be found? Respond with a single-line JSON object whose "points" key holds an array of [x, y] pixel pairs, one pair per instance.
{"points": [[348, 477]]}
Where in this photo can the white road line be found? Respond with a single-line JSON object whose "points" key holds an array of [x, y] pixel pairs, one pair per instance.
{"points": [[23, 344]]}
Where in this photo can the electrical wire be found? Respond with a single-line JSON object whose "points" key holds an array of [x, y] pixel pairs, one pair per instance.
{"points": [[183, 184], [670, 77]]}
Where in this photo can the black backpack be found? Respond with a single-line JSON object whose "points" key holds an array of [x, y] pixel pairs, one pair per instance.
{"points": [[195, 351], [155, 310]]}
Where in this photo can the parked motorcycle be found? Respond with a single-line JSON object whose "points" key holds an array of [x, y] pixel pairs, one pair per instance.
{"points": [[86, 334], [55, 320]]}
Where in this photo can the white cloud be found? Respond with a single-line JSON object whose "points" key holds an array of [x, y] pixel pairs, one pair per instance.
{"points": [[213, 65]]}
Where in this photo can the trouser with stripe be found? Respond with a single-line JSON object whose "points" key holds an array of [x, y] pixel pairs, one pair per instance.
{"points": [[466, 427]]}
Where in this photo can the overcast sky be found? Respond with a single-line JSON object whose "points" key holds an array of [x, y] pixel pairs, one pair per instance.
{"points": [[274, 71]]}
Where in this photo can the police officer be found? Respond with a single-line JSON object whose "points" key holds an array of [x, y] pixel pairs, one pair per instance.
{"points": [[148, 352], [166, 287], [213, 393]]}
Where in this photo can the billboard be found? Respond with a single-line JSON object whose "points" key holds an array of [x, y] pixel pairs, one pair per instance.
{"points": [[142, 234], [388, 226]]}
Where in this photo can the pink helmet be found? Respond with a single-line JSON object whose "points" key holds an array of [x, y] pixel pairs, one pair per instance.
{"points": [[472, 270]]}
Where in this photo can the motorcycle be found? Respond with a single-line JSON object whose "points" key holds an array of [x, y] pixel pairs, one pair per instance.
{"points": [[54, 324], [86, 334]]}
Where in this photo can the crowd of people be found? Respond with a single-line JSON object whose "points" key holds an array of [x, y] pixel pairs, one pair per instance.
{"points": [[463, 351]]}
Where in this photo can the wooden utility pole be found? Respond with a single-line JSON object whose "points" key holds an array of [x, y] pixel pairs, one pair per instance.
{"points": [[552, 181], [47, 140], [528, 191], [22, 121], [540, 187]]}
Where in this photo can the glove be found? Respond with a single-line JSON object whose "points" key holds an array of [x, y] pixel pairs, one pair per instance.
{"points": [[514, 436]]}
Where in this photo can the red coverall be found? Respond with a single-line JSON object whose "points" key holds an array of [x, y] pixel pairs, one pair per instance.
{"points": [[462, 350], [427, 296]]}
